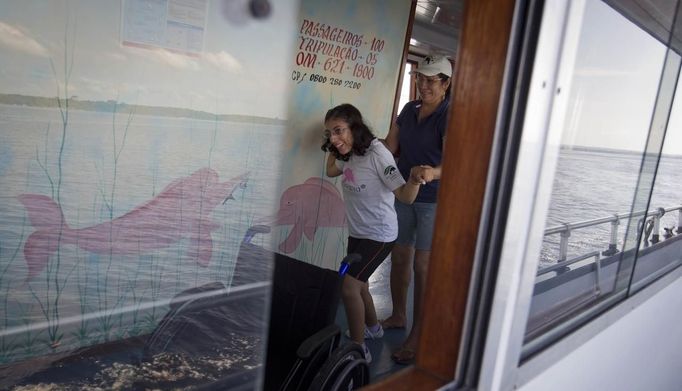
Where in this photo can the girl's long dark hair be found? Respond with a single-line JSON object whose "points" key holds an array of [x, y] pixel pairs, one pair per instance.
{"points": [[362, 135]]}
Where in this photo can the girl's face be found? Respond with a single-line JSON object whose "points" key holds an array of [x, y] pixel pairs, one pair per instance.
{"points": [[339, 134], [431, 88]]}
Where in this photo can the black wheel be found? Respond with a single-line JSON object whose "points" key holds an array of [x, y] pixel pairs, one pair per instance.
{"points": [[345, 369]]}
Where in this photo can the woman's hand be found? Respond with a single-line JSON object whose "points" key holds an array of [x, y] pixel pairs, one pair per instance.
{"points": [[422, 174], [419, 175]]}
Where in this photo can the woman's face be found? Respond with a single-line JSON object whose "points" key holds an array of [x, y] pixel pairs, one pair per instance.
{"points": [[339, 135], [431, 88]]}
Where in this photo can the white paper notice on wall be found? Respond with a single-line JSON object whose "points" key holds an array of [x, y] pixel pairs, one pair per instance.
{"points": [[176, 25]]}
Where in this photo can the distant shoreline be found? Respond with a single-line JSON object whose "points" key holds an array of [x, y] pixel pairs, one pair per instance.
{"points": [[111, 106], [582, 148]]}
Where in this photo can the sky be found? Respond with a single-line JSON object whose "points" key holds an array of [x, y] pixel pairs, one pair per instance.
{"points": [[241, 70], [615, 83]]}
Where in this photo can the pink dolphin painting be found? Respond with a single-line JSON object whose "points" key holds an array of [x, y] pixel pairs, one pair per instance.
{"points": [[307, 206], [181, 210]]}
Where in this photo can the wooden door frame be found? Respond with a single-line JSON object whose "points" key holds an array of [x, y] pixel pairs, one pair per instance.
{"points": [[478, 82]]}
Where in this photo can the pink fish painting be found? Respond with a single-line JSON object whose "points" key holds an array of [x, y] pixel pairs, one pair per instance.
{"points": [[308, 206], [179, 211]]}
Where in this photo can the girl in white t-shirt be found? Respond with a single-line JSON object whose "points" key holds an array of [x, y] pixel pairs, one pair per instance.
{"points": [[370, 183]]}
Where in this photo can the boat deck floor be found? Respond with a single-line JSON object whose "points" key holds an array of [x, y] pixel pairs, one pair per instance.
{"points": [[379, 285]]}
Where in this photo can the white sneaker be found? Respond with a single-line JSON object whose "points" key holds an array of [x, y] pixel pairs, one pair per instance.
{"points": [[368, 355], [369, 334]]}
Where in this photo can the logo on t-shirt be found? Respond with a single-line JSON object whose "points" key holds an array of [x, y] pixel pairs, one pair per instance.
{"points": [[348, 176], [391, 172], [348, 182]]}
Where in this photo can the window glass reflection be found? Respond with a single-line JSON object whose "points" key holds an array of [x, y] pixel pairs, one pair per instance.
{"points": [[661, 228], [605, 170], [139, 140], [668, 186]]}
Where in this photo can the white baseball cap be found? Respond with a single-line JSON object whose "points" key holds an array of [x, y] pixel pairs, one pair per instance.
{"points": [[433, 65]]}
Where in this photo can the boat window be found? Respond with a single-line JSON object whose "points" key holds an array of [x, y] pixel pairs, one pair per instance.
{"points": [[614, 207], [140, 142], [662, 226], [407, 90]]}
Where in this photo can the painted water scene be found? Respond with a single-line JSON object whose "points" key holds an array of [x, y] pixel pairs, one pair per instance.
{"points": [[130, 172], [143, 145]]}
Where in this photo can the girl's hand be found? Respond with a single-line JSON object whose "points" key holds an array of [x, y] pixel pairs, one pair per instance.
{"points": [[421, 174]]}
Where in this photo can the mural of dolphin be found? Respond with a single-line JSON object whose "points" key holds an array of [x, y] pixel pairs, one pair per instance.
{"points": [[307, 206], [181, 210]]}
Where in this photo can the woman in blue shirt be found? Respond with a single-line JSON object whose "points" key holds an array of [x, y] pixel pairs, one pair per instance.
{"points": [[417, 135]]}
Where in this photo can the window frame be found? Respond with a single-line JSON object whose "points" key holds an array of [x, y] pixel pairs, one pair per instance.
{"points": [[477, 93], [502, 366], [451, 300], [538, 154]]}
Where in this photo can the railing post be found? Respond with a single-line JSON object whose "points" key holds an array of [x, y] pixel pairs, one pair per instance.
{"points": [[563, 245], [597, 265], [613, 242], [655, 238], [679, 221]]}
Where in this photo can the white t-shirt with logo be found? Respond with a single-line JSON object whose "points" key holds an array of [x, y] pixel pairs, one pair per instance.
{"points": [[368, 182]]}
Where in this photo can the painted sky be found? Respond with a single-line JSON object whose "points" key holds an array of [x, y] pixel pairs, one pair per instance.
{"points": [[240, 70]]}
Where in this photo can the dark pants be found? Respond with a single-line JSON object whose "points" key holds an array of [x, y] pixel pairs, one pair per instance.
{"points": [[372, 252]]}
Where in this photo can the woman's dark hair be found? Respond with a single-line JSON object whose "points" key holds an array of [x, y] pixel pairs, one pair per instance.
{"points": [[443, 78], [362, 135]]}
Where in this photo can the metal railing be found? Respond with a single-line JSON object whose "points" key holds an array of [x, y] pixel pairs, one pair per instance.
{"points": [[563, 266], [653, 224], [599, 300]]}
